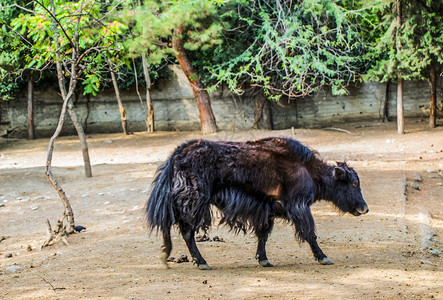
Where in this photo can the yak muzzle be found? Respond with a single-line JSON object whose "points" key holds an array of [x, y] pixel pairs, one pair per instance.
{"points": [[361, 210]]}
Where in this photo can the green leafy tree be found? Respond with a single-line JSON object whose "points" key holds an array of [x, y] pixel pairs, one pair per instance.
{"points": [[180, 28], [195, 28], [147, 28], [162, 30], [292, 48], [408, 46], [10, 59], [75, 38]]}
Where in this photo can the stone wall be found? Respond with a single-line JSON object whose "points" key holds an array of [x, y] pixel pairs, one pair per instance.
{"points": [[175, 108]]}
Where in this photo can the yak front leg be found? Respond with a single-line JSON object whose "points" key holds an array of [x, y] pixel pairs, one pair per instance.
{"points": [[305, 230], [318, 253], [262, 235], [188, 233]]}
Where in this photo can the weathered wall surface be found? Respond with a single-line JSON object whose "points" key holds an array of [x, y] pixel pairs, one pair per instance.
{"points": [[175, 108]]}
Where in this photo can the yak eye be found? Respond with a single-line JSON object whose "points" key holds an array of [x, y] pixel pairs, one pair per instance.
{"points": [[355, 183]]}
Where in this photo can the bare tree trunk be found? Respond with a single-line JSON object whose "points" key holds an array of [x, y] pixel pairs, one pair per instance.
{"points": [[31, 128], [433, 100], [63, 228], [149, 109], [82, 137], [386, 104], [145, 109], [400, 112], [76, 122], [119, 100], [207, 119], [150, 116], [71, 110], [263, 113]]}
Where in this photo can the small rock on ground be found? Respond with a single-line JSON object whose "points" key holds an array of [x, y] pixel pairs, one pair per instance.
{"points": [[13, 269]]}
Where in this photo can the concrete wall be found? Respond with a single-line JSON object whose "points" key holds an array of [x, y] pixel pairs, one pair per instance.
{"points": [[175, 108]]}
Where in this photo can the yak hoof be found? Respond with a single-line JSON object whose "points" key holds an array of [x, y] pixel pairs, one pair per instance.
{"points": [[204, 267], [325, 261], [265, 263], [164, 259]]}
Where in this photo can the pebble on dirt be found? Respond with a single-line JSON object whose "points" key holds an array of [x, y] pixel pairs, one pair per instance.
{"points": [[202, 238], [217, 239], [13, 269], [415, 186], [79, 228], [181, 259], [418, 177], [8, 255], [436, 252]]}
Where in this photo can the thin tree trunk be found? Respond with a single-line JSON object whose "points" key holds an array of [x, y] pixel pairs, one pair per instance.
{"points": [[433, 100], [119, 100], [149, 109], [400, 112], [76, 122], [263, 113], [386, 104], [150, 116], [62, 228], [139, 96], [68, 214], [31, 128], [207, 119], [82, 137]]}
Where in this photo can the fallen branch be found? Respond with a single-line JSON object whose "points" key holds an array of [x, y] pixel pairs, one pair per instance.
{"points": [[51, 235], [53, 288], [338, 129]]}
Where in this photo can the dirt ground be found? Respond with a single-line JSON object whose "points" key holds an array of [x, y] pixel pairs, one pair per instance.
{"points": [[393, 252]]}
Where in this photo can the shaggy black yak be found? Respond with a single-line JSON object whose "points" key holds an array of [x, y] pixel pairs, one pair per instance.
{"points": [[251, 183]]}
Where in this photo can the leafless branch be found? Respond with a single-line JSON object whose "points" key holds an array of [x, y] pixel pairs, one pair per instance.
{"points": [[18, 6]]}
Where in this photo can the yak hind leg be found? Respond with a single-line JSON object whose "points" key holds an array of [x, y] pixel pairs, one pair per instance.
{"points": [[188, 234], [167, 246], [262, 235]]}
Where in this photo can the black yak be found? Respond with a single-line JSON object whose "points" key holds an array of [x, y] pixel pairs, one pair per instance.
{"points": [[251, 183]]}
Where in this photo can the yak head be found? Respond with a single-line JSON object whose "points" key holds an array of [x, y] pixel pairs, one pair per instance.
{"points": [[346, 190]]}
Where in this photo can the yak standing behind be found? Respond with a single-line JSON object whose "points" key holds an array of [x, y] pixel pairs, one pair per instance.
{"points": [[251, 183]]}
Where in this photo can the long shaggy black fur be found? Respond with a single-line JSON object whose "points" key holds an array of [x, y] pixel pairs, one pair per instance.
{"points": [[251, 183]]}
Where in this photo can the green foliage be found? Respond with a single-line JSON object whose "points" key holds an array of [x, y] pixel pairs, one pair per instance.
{"points": [[10, 59], [83, 27], [293, 48], [148, 30], [421, 38]]}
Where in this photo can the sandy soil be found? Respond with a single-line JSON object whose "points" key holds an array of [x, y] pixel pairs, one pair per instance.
{"points": [[392, 252]]}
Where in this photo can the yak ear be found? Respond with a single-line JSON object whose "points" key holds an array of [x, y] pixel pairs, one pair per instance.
{"points": [[339, 173]]}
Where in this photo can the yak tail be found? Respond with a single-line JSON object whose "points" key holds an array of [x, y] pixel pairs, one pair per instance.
{"points": [[160, 206], [159, 209]]}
